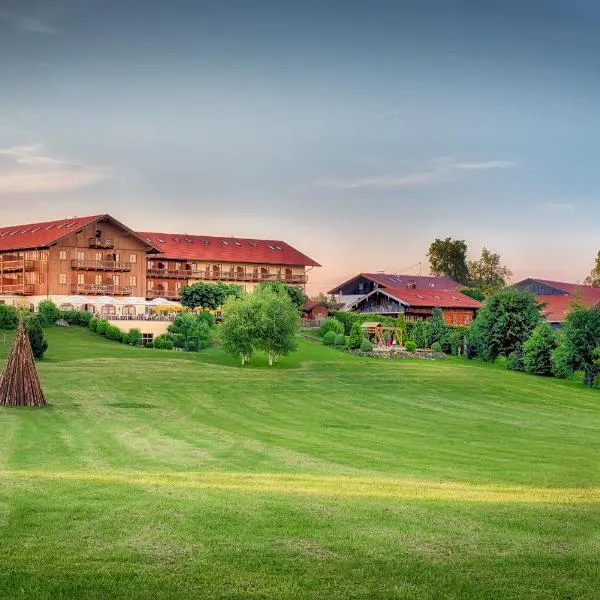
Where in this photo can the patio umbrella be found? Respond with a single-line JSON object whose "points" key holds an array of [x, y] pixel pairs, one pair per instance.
{"points": [[162, 302], [77, 300], [105, 300]]}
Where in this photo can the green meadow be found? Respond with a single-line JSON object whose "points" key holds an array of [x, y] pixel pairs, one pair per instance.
{"points": [[156, 474]]}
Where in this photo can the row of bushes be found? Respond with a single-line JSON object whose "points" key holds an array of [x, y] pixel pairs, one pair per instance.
{"points": [[111, 332], [339, 340]]}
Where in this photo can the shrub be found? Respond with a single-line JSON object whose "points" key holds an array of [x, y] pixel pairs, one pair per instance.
{"points": [[9, 317], [48, 313], [454, 341], [411, 346], [437, 328], [366, 346], [514, 361], [93, 324], [35, 332], [560, 362], [190, 332], [330, 324], [419, 334], [436, 347], [356, 336], [134, 337], [347, 319], [329, 338], [538, 349], [340, 340], [113, 333], [77, 317], [149, 344], [164, 342], [102, 326], [207, 317]]}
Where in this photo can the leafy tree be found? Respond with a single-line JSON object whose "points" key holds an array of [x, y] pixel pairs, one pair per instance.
{"points": [[325, 300], [401, 328], [164, 342], [240, 328], [581, 339], [593, 278], [48, 313], [279, 322], [504, 324], [330, 324], [420, 334], [190, 331], [474, 293], [487, 273], [560, 358], [134, 337], [208, 296], [296, 294], [437, 328], [9, 317], [356, 336], [538, 349], [449, 258], [35, 332]]}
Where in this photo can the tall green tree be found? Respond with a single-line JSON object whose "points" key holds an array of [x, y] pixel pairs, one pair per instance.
{"points": [[437, 328], [488, 274], [581, 333], [48, 313], [448, 258], [593, 278], [208, 296], [240, 330], [296, 294], [538, 350], [504, 324], [419, 334], [401, 328], [35, 332]]}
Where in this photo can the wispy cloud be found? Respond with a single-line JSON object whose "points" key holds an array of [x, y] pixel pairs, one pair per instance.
{"points": [[27, 23], [436, 171], [558, 205], [389, 113], [27, 169]]}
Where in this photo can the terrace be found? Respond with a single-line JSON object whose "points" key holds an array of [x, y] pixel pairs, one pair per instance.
{"points": [[100, 265], [101, 289]]}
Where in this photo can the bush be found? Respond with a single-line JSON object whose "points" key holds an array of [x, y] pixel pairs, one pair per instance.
{"points": [[514, 361], [420, 333], [113, 333], [48, 313], [35, 332], [190, 331], [330, 324], [77, 317], [347, 319], [538, 349], [207, 317], [93, 324], [454, 341], [436, 327], [9, 317], [596, 382], [366, 346], [411, 346], [356, 336], [329, 338], [149, 344], [340, 340], [164, 342], [134, 337], [436, 347], [560, 362]]}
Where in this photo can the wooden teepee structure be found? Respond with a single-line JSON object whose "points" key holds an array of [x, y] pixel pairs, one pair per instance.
{"points": [[20, 384]]}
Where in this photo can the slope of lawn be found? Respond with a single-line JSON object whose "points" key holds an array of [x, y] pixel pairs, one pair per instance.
{"points": [[169, 475]]}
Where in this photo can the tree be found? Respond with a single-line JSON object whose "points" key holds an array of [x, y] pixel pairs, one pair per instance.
{"points": [[449, 258], [296, 294], [538, 350], [506, 321], [9, 317], [356, 336], [487, 273], [581, 339], [190, 332], [419, 334], [437, 328], [593, 278], [401, 328], [325, 300], [208, 296], [330, 324], [35, 332], [48, 313], [474, 293], [240, 328]]}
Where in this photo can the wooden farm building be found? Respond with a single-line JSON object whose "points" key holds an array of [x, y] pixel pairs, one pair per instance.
{"points": [[457, 308], [557, 297], [79, 262], [315, 311]]}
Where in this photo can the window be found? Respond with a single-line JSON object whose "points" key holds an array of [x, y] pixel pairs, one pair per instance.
{"points": [[80, 255], [117, 257], [467, 320], [150, 284], [132, 280], [62, 255], [147, 338], [133, 258], [80, 279], [98, 256], [116, 280], [98, 279], [62, 278]]}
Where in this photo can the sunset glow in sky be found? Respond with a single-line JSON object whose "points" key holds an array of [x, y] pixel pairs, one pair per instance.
{"points": [[355, 131]]}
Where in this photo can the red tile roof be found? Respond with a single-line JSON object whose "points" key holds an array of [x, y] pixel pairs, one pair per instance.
{"points": [[571, 288], [42, 235], [180, 246], [556, 307], [390, 280], [431, 298]]}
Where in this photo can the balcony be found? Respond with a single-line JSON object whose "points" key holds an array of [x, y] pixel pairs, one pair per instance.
{"points": [[168, 294], [101, 243], [238, 276], [171, 273], [19, 289], [100, 289], [15, 266], [100, 265]]}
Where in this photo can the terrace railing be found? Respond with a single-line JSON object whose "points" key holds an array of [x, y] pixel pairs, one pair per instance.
{"points": [[98, 289], [101, 265]]}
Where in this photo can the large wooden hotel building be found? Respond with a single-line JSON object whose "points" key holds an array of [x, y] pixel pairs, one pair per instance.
{"points": [[79, 261]]}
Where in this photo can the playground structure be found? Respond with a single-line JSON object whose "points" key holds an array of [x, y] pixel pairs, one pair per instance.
{"points": [[375, 332]]}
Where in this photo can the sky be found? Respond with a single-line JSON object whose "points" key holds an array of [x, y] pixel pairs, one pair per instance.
{"points": [[356, 131]]}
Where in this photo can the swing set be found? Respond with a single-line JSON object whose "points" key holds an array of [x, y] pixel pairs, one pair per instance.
{"points": [[375, 331]]}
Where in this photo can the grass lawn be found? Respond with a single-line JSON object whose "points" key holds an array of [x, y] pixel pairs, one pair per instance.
{"points": [[156, 474]]}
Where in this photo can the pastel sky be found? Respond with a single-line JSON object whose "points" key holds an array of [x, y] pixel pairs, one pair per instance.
{"points": [[355, 131]]}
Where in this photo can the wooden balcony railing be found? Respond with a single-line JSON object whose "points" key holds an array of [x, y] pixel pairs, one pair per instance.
{"points": [[20, 289], [241, 276], [100, 289], [171, 273], [14, 266], [100, 265], [101, 243], [168, 294]]}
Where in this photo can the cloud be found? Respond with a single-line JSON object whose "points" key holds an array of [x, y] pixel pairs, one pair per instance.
{"points": [[389, 113], [558, 206], [27, 23], [438, 170], [26, 169]]}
